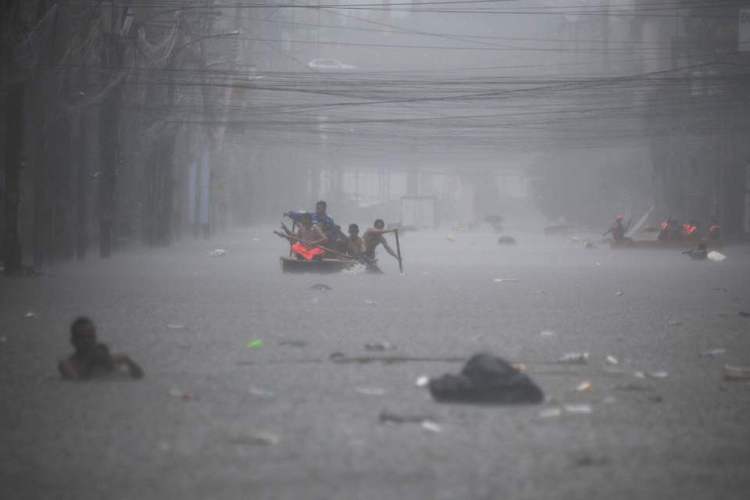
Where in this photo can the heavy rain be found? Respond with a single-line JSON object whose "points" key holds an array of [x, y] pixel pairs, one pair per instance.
{"points": [[374, 249]]}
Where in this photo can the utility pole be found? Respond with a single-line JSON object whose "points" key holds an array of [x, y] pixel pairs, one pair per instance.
{"points": [[12, 196], [109, 137], [14, 140]]}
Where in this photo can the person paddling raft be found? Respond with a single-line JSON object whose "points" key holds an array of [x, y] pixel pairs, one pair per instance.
{"points": [[374, 237], [618, 229], [309, 236]]}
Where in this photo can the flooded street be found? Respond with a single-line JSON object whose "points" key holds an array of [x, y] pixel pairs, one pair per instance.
{"points": [[242, 398]]}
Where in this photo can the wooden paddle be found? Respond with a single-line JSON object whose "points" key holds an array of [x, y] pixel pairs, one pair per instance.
{"points": [[398, 251]]}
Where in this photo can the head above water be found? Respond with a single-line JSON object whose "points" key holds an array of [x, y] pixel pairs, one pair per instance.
{"points": [[353, 229], [83, 334], [379, 224], [321, 207]]}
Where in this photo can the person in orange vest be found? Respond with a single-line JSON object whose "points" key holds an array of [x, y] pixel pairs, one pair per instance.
{"points": [[714, 230], [664, 229], [618, 229], [309, 235], [690, 230]]}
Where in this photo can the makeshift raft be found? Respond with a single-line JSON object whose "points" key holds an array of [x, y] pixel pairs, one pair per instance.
{"points": [[320, 266], [665, 244]]}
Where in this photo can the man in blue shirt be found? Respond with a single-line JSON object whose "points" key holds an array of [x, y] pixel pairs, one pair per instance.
{"points": [[324, 221]]}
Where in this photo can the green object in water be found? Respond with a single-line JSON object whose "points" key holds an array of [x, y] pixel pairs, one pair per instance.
{"points": [[255, 344]]}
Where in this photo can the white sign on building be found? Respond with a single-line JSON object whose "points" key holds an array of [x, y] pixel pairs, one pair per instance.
{"points": [[744, 31]]}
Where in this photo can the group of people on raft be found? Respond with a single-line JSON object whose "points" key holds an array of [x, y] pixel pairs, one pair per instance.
{"points": [[670, 229], [317, 235]]}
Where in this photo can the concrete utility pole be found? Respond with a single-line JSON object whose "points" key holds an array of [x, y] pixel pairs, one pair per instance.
{"points": [[109, 137], [14, 140]]}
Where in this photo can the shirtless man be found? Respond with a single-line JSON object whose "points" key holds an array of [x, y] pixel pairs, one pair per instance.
{"points": [[92, 359], [355, 246], [374, 237], [308, 237], [310, 234]]}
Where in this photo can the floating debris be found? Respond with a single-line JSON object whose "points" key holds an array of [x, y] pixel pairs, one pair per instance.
{"points": [[584, 386], [506, 240], [450, 238], [578, 409], [736, 373], [674, 322], [431, 426], [254, 344], [550, 413], [712, 353], [180, 394], [256, 439], [486, 379], [423, 381], [715, 256], [321, 287], [371, 391], [340, 357], [506, 280], [611, 360], [574, 358], [548, 333], [175, 326], [30, 314], [619, 293], [744, 314], [219, 252], [380, 346], [609, 400], [639, 375], [657, 374], [3, 340], [370, 302], [261, 393]]}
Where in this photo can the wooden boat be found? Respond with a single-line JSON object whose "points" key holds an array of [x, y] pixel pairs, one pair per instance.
{"points": [[322, 266], [664, 244]]}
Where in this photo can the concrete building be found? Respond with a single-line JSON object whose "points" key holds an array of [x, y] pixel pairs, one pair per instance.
{"points": [[699, 112]]}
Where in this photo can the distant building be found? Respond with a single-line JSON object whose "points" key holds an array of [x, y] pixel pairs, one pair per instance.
{"points": [[698, 112]]}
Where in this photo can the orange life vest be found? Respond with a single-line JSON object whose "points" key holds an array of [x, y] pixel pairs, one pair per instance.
{"points": [[307, 253]]}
